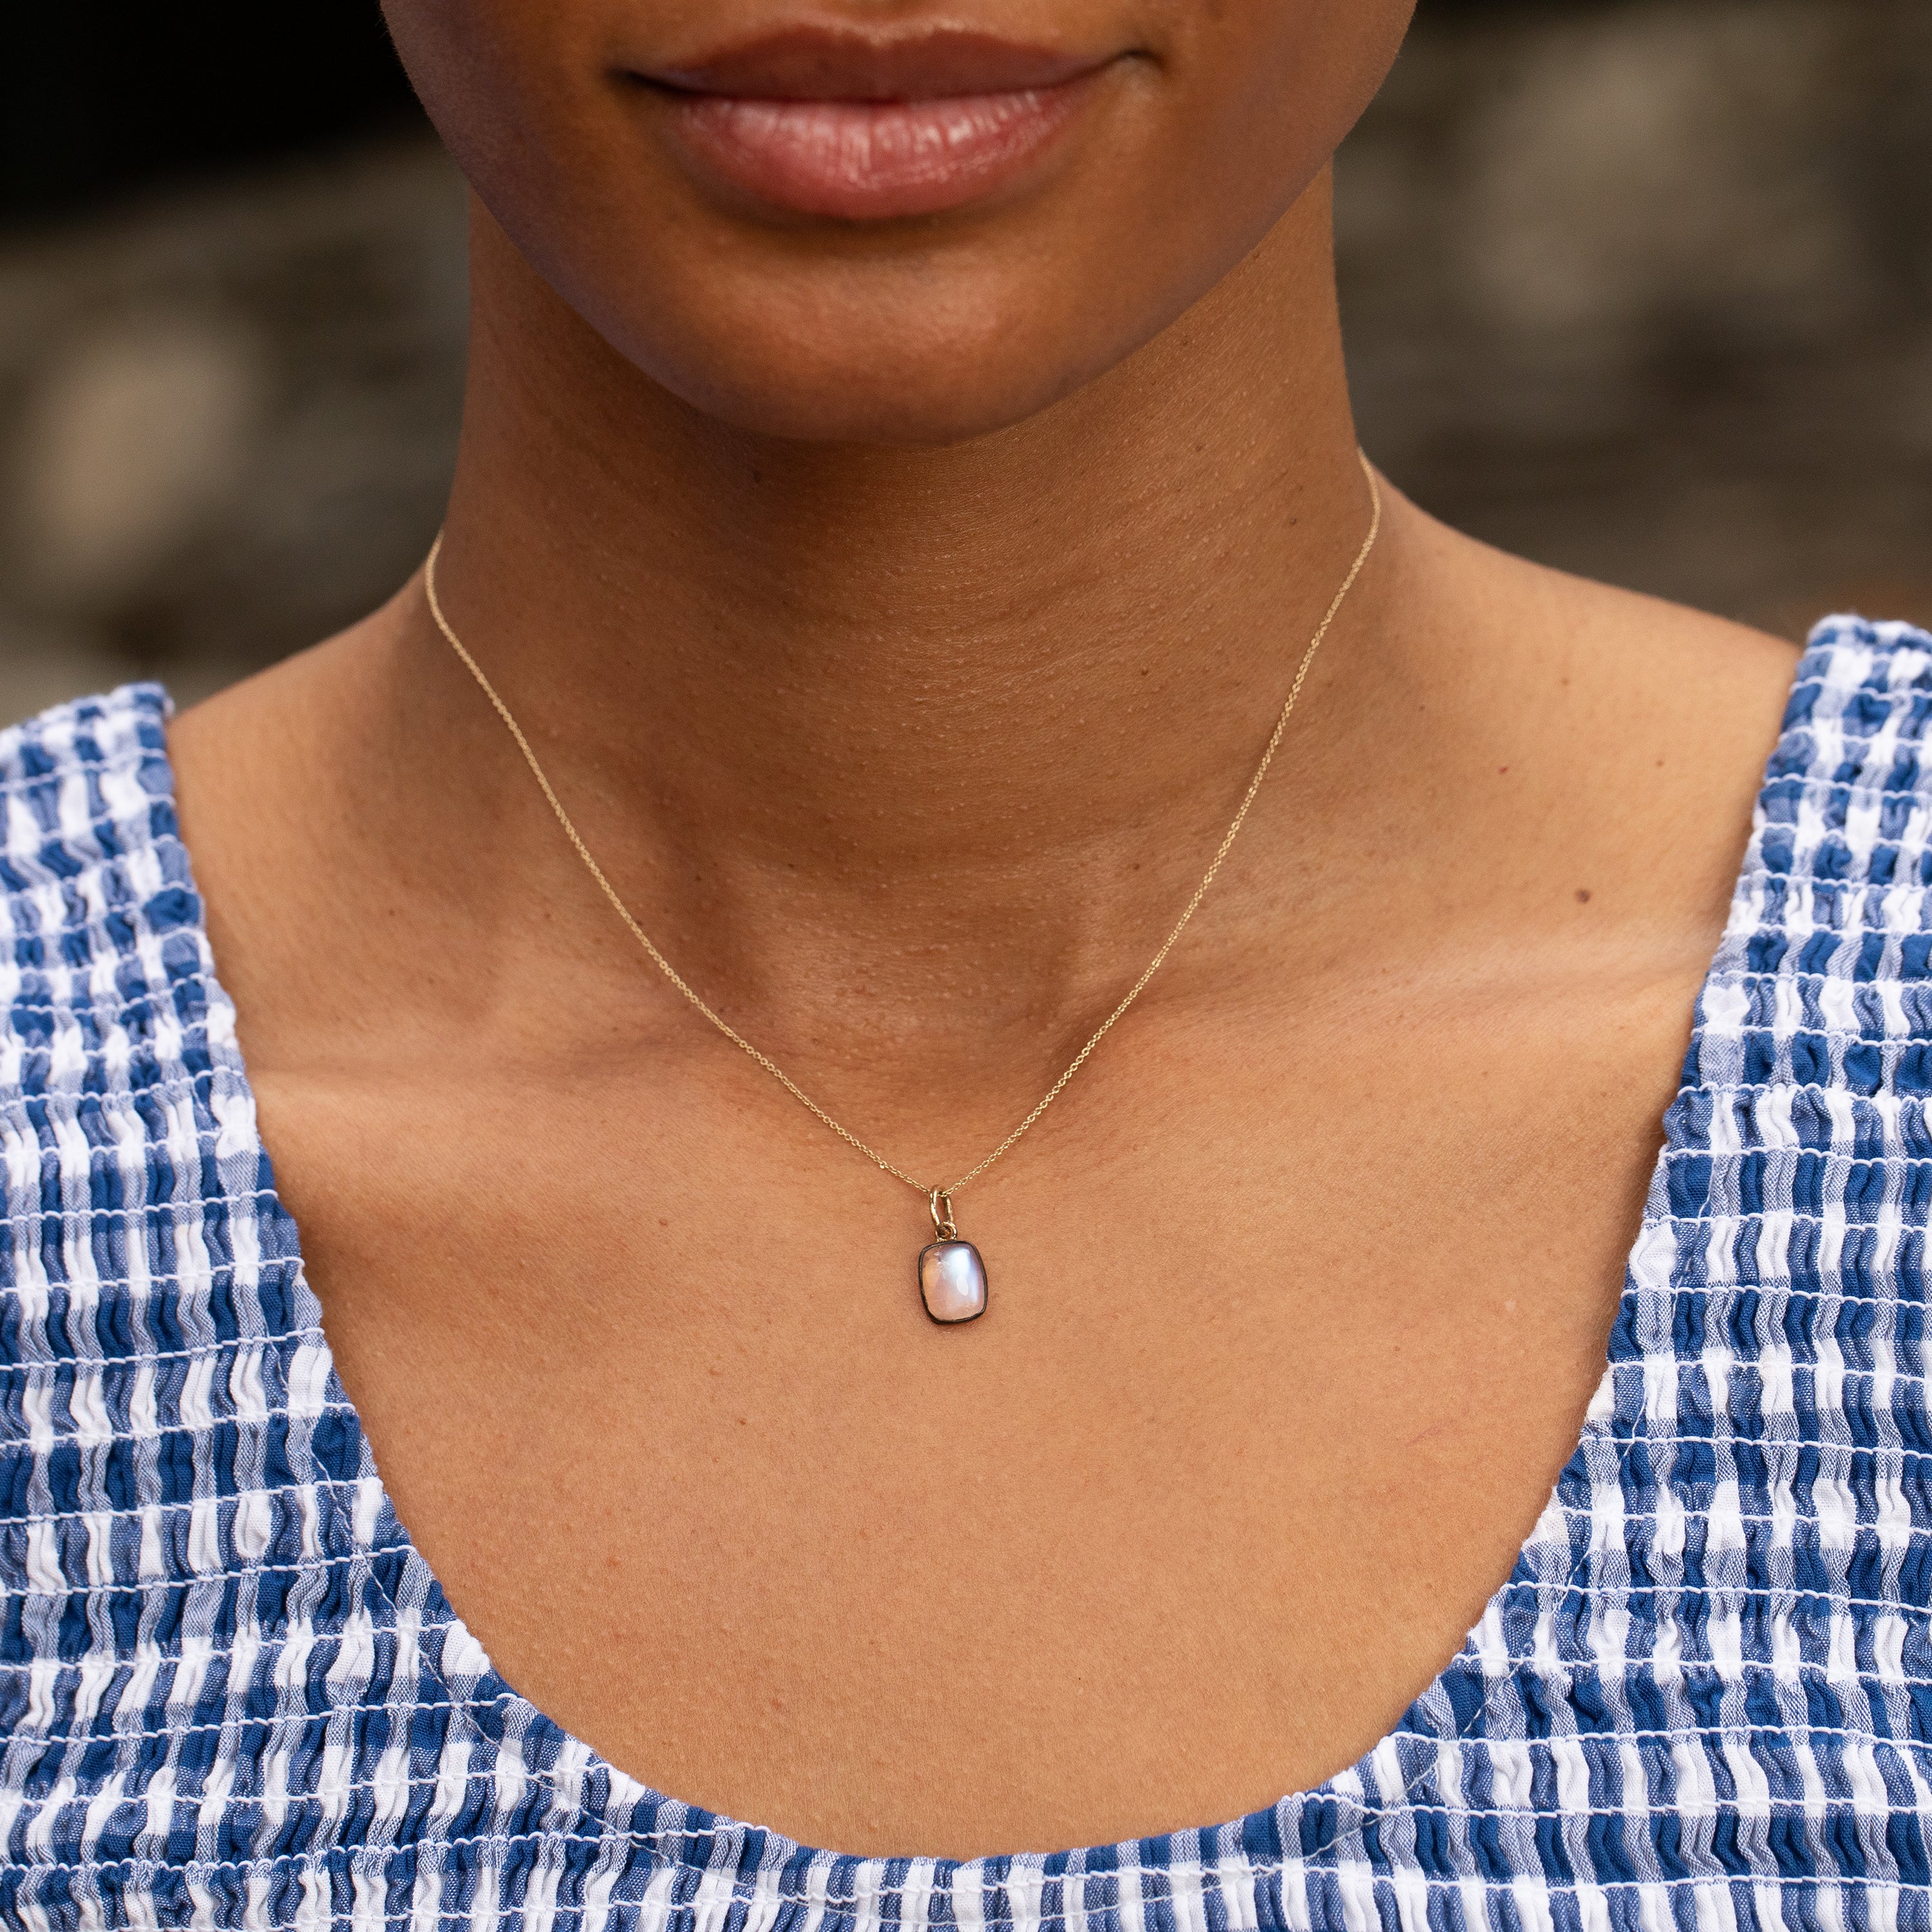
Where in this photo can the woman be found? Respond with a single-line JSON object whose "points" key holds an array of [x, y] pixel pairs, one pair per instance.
{"points": [[907, 459]]}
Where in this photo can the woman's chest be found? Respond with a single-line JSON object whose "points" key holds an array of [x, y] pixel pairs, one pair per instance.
{"points": [[1260, 1414]]}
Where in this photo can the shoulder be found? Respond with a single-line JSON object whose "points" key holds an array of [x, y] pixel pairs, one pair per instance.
{"points": [[1860, 704], [97, 904], [109, 1036], [1624, 658], [88, 821], [85, 781], [1582, 763]]}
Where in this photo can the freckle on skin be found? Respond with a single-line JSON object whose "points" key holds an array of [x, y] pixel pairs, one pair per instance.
{"points": [[1582, 896]]}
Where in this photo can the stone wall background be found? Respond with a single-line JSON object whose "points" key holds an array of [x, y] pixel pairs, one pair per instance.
{"points": [[1646, 291], [1643, 288]]}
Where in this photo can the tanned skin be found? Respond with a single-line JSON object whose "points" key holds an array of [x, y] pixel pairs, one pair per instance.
{"points": [[902, 607]]}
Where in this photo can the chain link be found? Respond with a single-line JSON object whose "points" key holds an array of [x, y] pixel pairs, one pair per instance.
{"points": [[771, 1066]]}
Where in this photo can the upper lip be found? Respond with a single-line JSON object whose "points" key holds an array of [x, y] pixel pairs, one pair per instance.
{"points": [[806, 63]]}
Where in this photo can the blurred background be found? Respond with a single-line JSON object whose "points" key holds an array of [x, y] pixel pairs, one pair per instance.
{"points": [[1641, 288]]}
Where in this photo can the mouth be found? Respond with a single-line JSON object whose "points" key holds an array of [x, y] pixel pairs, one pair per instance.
{"points": [[842, 124]]}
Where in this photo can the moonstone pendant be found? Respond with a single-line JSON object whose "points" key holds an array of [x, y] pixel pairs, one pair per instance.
{"points": [[952, 1276], [953, 1281]]}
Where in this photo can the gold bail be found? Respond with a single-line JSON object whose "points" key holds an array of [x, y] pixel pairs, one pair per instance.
{"points": [[943, 1225]]}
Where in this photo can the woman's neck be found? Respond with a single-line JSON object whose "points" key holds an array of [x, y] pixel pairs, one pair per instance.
{"points": [[914, 698]]}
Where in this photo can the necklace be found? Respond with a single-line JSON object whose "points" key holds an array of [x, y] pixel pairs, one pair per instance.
{"points": [[952, 1275]]}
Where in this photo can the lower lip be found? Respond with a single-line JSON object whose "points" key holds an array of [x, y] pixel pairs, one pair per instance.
{"points": [[869, 161]]}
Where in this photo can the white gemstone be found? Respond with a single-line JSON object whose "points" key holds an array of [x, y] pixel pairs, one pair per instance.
{"points": [[952, 1281]]}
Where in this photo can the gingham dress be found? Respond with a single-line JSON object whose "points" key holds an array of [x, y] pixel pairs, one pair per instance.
{"points": [[233, 1694]]}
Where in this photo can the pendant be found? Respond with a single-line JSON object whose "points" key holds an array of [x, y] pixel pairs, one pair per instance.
{"points": [[952, 1276]]}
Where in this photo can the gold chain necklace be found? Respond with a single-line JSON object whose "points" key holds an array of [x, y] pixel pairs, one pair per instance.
{"points": [[952, 1275]]}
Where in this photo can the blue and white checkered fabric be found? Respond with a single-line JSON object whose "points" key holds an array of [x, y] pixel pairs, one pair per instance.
{"points": [[231, 1693]]}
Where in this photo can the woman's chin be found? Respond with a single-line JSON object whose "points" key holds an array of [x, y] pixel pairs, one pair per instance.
{"points": [[852, 365], [856, 398]]}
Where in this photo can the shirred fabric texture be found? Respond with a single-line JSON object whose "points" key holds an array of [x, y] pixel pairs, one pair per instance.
{"points": [[232, 1694]]}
